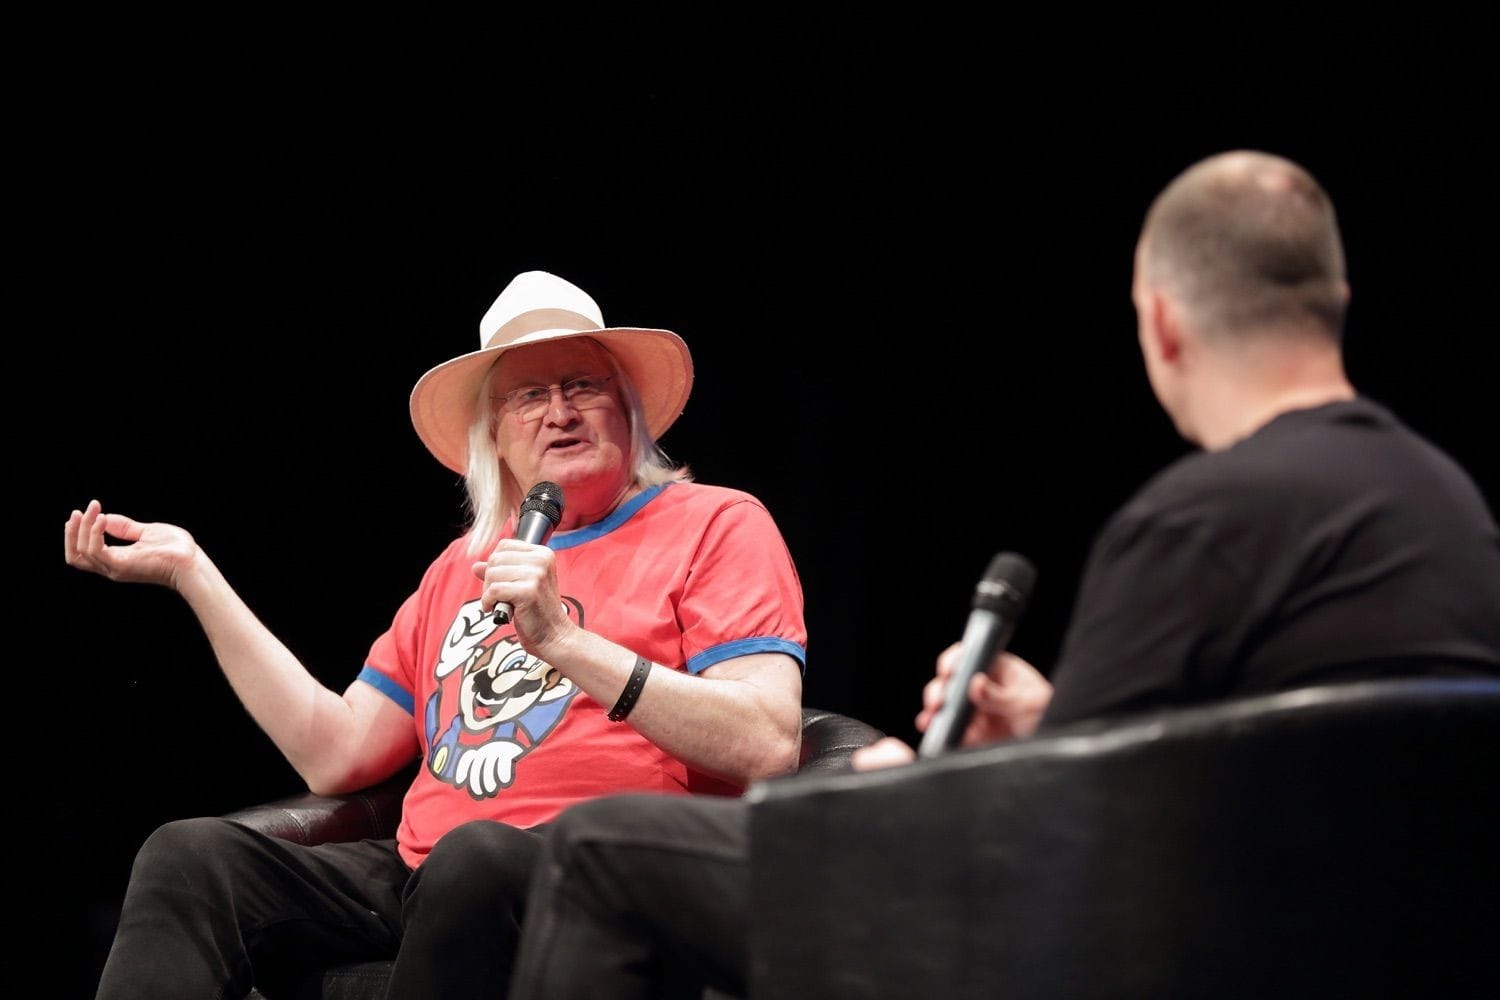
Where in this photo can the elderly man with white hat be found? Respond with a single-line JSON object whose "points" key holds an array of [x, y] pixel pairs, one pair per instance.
{"points": [[604, 624]]}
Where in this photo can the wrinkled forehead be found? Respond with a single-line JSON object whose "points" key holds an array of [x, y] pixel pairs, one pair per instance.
{"points": [[550, 361]]}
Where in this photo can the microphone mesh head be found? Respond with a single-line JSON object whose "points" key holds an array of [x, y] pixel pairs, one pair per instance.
{"points": [[1006, 584], [545, 499]]}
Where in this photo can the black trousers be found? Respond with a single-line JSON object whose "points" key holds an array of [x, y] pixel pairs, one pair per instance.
{"points": [[640, 896], [214, 908]]}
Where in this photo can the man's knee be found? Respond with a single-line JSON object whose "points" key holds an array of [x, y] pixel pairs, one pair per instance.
{"points": [[581, 826], [597, 846], [200, 842], [646, 821], [483, 854]]}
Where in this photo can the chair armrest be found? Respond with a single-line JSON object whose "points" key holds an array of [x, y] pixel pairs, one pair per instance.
{"points": [[830, 739], [317, 819]]}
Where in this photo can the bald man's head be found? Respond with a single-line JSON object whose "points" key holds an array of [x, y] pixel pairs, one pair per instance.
{"points": [[1248, 242]]}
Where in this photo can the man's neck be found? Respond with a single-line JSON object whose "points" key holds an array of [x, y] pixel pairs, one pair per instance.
{"points": [[591, 510], [1241, 397]]}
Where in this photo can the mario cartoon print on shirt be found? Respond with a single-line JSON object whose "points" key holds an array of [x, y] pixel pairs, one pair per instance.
{"points": [[493, 703]]}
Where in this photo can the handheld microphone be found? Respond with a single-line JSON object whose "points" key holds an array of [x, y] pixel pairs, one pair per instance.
{"points": [[999, 599], [540, 512]]}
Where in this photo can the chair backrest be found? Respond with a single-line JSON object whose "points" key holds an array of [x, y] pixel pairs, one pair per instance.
{"points": [[1338, 840]]}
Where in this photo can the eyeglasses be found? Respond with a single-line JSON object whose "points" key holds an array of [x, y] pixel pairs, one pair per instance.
{"points": [[529, 402]]}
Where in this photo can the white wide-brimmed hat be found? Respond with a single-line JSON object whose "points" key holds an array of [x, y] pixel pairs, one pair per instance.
{"points": [[537, 307]]}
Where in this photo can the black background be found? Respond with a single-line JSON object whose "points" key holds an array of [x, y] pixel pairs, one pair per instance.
{"points": [[899, 246]]}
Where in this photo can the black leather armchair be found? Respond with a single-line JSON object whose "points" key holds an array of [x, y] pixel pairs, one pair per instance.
{"points": [[828, 740], [1336, 841]]}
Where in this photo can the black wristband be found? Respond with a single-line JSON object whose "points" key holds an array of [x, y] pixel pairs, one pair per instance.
{"points": [[632, 690]]}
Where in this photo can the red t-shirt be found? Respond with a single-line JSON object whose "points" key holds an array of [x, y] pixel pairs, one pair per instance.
{"points": [[686, 575]]}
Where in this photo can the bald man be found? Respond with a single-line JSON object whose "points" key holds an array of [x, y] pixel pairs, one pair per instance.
{"points": [[1313, 538]]}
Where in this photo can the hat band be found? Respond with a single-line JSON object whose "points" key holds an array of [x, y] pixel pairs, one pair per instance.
{"points": [[540, 319]]}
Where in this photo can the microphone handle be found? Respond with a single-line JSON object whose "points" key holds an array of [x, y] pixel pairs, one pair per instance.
{"points": [[983, 635], [534, 528]]}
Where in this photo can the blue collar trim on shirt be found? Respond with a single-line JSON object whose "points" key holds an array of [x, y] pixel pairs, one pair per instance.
{"points": [[619, 516]]}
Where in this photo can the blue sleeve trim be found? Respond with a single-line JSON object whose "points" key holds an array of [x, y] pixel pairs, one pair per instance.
{"points": [[380, 682], [743, 647]]}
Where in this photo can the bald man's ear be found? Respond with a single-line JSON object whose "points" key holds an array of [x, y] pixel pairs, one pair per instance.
{"points": [[1163, 326]]}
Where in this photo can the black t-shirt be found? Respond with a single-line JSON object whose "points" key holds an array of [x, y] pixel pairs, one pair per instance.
{"points": [[1332, 544]]}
